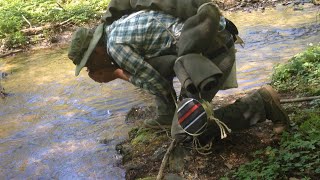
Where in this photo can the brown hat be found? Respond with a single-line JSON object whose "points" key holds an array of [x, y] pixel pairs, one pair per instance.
{"points": [[82, 44]]}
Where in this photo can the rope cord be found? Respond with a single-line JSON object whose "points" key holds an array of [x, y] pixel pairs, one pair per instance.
{"points": [[205, 4], [222, 126], [205, 150]]}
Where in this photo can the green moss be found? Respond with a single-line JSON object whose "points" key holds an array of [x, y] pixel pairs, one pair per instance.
{"points": [[142, 136]]}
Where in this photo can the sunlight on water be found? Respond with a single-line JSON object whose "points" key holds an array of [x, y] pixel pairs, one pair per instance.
{"points": [[52, 122], [270, 38]]}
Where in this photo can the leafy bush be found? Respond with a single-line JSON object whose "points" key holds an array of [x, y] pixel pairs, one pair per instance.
{"points": [[298, 155], [300, 74]]}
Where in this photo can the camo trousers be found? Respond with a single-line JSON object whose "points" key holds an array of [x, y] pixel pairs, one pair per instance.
{"points": [[243, 113]]}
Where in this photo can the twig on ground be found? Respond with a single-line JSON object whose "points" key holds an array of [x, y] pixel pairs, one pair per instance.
{"points": [[299, 99], [10, 53], [27, 21], [165, 159], [38, 30]]}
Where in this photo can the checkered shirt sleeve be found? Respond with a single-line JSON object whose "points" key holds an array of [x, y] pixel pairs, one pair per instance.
{"points": [[143, 35], [142, 73]]}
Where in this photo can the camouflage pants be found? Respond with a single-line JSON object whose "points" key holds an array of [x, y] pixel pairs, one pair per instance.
{"points": [[245, 112]]}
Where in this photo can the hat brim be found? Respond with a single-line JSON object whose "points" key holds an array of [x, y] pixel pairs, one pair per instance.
{"points": [[93, 43]]}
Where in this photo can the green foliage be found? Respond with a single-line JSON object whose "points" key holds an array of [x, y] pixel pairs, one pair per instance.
{"points": [[298, 155], [300, 74], [41, 12]]}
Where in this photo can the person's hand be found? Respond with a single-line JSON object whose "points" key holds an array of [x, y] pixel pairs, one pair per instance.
{"points": [[103, 75], [119, 73]]}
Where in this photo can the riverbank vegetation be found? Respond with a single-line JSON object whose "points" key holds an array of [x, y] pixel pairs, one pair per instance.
{"points": [[26, 22], [298, 154], [301, 74]]}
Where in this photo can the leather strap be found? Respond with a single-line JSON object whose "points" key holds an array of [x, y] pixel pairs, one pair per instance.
{"points": [[221, 50]]}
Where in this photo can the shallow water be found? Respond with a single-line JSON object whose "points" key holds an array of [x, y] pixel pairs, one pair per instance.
{"points": [[52, 123]]}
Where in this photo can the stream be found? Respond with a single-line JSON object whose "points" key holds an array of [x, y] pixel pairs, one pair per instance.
{"points": [[54, 125]]}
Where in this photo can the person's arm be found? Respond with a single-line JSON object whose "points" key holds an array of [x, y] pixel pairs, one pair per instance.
{"points": [[141, 73]]}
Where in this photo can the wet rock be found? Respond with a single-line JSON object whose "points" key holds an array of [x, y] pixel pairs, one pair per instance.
{"points": [[125, 150], [54, 39], [297, 2], [158, 154], [298, 8], [3, 75], [140, 113], [176, 160], [133, 166], [148, 178], [243, 4], [104, 141], [131, 170], [3, 94], [133, 132], [316, 2], [287, 3], [173, 177], [229, 3]]}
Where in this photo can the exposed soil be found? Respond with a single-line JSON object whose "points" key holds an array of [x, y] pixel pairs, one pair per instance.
{"points": [[143, 159], [143, 152]]}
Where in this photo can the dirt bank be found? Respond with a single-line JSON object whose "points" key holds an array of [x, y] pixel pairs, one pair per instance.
{"points": [[145, 149]]}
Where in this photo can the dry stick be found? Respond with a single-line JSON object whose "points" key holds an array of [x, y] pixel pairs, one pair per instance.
{"points": [[27, 21], [37, 30], [165, 159], [60, 6], [10, 53], [299, 99]]}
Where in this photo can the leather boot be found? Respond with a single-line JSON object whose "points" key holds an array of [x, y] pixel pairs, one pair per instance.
{"points": [[165, 113], [274, 110]]}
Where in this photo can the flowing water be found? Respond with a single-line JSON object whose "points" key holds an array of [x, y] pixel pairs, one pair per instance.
{"points": [[52, 123]]}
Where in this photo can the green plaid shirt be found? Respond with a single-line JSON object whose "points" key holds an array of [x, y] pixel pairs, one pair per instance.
{"points": [[139, 36]]}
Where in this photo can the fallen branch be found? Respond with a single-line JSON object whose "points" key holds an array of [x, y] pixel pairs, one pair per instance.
{"points": [[10, 53], [165, 159], [37, 30], [299, 99]]}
